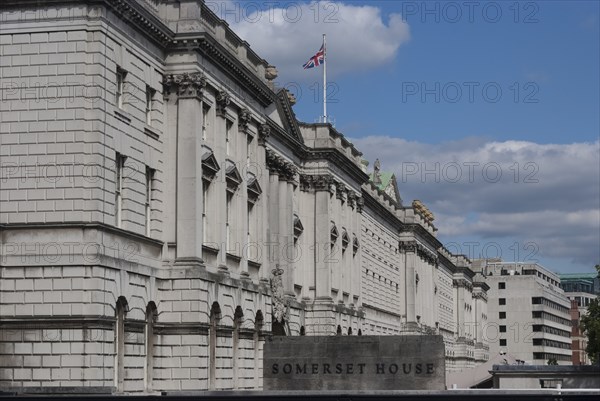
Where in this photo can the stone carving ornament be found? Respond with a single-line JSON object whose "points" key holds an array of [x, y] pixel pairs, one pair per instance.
{"points": [[279, 307], [185, 84]]}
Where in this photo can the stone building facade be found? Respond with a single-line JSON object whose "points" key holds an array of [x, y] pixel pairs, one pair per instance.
{"points": [[162, 211]]}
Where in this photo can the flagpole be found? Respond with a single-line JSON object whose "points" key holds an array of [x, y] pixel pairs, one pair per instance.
{"points": [[324, 80]]}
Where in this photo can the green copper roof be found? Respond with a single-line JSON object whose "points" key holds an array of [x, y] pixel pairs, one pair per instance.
{"points": [[385, 179]]}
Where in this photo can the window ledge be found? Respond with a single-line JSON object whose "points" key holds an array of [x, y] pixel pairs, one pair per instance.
{"points": [[234, 257], [123, 115], [151, 132], [210, 249]]}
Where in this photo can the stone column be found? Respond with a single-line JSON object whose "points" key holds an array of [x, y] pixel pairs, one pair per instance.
{"points": [[188, 89], [410, 259], [273, 248], [460, 307], [263, 233], [287, 233], [322, 238]]}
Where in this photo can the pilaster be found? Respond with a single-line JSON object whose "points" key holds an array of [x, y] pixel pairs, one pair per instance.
{"points": [[188, 88]]}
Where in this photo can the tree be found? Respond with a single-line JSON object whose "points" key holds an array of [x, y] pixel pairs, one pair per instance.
{"points": [[590, 324]]}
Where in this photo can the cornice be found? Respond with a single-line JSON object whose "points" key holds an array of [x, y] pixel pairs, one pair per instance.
{"points": [[339, 159], [129, 11], [373, 204], [421, 250], [423, 233], [236, 70], [446, 262]]}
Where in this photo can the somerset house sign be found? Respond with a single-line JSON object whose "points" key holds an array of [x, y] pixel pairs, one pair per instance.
{"points": [[354, 363]]}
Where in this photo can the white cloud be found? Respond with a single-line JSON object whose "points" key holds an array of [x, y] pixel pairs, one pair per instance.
{"points": [[358, 37], [547, 193]]}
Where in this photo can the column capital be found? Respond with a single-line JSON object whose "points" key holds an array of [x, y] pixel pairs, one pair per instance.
{"points": [[187, 85], [277, 165], [264, 131], [317, 182], [223, 99], [244, 117]]}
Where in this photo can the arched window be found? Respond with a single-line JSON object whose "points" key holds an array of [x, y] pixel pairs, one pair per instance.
{"points": [[120, 312], [238, 319], [258, 325], [151, 315], [215, 317], [349, 331], [339, 330]]}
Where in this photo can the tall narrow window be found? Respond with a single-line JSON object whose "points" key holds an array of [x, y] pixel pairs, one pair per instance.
{"points": [[120, 311], [151, 314], [204, 210], [149, 180], [250, 222], [228, 221], [228, 138], [149, 99], [119, 167], [215, 317], [248, 150], [205, 123], [120, 89]]}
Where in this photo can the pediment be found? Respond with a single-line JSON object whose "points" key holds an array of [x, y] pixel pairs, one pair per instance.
{"points": [[210, 166], [253, 188], [287, 115], [233, 176]]}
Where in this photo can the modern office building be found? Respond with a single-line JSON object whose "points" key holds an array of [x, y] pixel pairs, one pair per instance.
{"points": [[528, 312], [581, 289], [162, 211]]}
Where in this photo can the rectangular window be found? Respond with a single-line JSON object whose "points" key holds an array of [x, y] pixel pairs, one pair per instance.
{"points": [[228, 220], [501, 286], [205, 123], [550, 383], [119, 167], [501, 301], [149, 99], [120, 89], [228, 138], [502, 315], [503, 342], [250, 221], [149, 181], [502, 329], [204, 210]]}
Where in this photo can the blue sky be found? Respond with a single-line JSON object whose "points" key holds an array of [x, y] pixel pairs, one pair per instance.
{"points": [[516, 93]]}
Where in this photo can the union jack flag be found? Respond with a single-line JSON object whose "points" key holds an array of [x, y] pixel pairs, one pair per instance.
{"points": [[315, 60]]}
